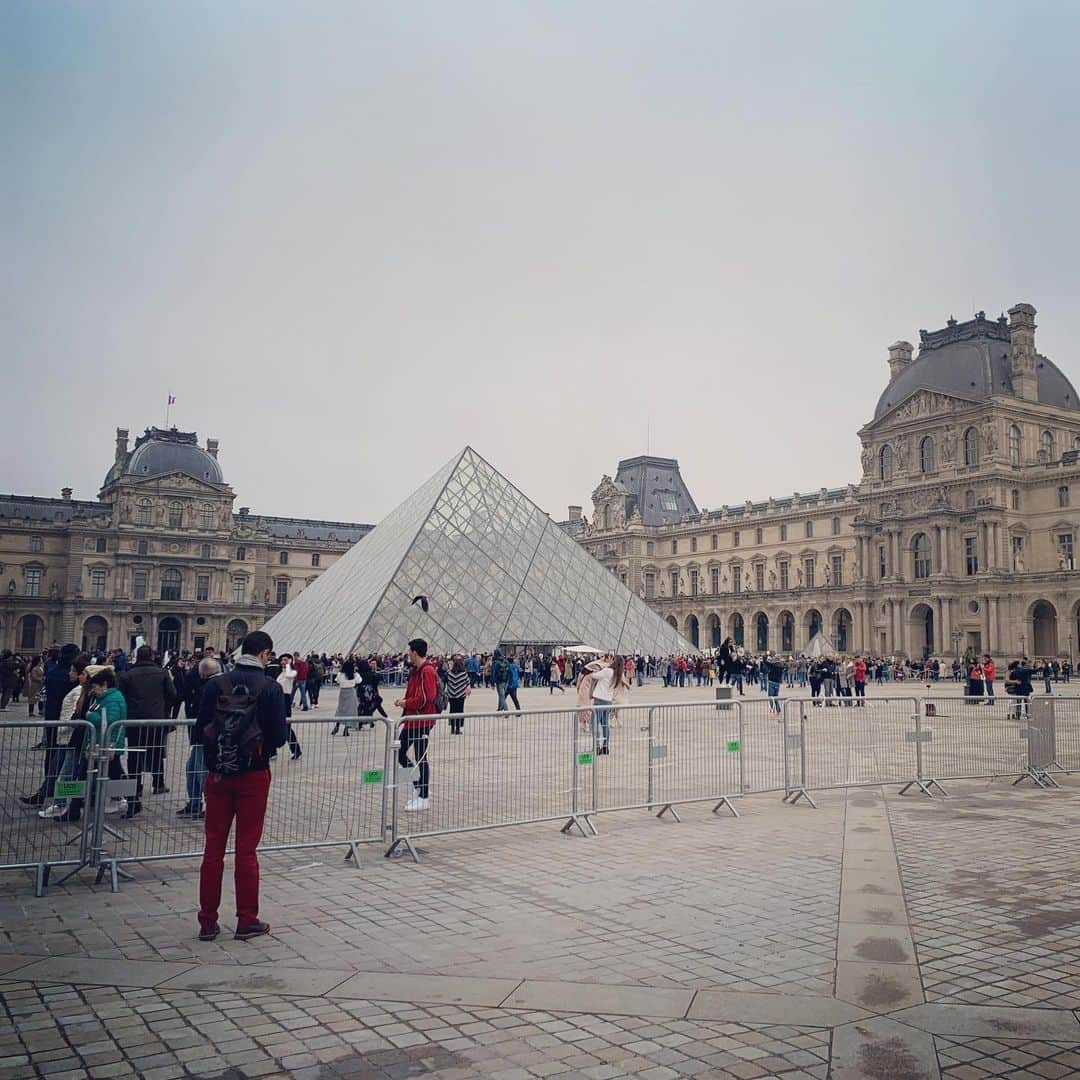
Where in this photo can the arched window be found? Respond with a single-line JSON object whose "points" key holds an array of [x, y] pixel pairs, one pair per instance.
{"points": [[1014, 445], [144, 512], [885, 460], [971, 447], [206, 516], [920, 548], [926, 455], [176, 515], [170, 584], [1046, 444]]}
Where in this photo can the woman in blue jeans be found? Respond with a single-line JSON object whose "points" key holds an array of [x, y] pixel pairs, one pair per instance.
{"points": [[607, 683]]}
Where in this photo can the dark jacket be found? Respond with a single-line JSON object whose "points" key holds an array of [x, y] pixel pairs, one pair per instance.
{"points": [[269, 708], [148, 690], [193, 689], [57, 684]]}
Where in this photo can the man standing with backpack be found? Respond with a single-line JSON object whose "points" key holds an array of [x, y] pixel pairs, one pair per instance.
{"points": [[242, 714], [420, 707]]}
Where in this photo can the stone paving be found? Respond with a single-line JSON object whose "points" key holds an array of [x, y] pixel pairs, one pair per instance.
{"points": [[877, 935]]}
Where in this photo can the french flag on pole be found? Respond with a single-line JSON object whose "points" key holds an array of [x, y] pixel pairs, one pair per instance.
{"points": [[172, 400]]}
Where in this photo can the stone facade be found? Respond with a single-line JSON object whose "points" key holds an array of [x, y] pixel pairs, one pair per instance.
{"points": [[160, 554], [961, 534]]}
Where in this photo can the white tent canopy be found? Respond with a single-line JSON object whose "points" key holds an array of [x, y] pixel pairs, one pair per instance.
{"points": [[584, 649], [819, 645]]}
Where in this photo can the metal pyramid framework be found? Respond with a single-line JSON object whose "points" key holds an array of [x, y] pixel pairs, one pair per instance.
{"points": [[497, 571]]}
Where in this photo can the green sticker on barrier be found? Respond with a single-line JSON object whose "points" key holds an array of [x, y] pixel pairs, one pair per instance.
{"points": [[70, 789], [734, 746], [373, 776], [585, 758]]}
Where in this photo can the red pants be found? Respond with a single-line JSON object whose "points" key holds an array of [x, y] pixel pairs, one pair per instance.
{"points": [[243, 797]]}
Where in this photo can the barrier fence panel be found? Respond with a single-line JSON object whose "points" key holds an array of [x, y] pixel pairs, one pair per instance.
{"points": [[1066, 729], [695, 755], [974, 738], [839, 742], [618, 738], [42, 767], [504, 768], [331, 795], [761, 750]]}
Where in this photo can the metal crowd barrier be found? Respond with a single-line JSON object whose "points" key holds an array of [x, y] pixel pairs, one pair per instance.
{"points": [[45, 762], [332, 795], [498, 769]]}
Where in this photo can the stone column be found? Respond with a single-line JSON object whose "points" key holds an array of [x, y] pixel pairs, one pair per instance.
{"points": [[944, 549]]}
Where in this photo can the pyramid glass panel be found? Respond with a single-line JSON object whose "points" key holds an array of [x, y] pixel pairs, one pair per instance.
{"points": [[495, 571]]}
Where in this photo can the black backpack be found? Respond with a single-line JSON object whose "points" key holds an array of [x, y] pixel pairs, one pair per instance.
{"points": [[233, 740]]}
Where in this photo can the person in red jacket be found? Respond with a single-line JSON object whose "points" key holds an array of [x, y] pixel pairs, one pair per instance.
{"points": [[419, 717], [858, 677], [989, 671], [303, 670]]}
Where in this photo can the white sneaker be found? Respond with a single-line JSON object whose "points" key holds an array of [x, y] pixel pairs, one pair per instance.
{"points": [[118, 807], [51, 811], [417, 804]]}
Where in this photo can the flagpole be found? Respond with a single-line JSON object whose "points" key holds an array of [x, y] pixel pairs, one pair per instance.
{"points": [[168, 406]]}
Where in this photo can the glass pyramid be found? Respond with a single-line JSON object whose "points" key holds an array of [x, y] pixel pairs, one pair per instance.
{"points": [[497, 571]]}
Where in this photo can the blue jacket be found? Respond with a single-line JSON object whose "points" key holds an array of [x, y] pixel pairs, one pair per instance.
{"points": [[269, 708], [514, 681]]}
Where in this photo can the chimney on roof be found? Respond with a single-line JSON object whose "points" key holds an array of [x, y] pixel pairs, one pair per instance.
{"points": [[573, 513], [65, 494], [245, 510], [121, 444], [899, 357], [211, 448], [1025, 377]]}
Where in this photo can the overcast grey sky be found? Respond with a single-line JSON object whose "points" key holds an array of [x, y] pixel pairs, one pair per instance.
{"points": [[352, 237]]}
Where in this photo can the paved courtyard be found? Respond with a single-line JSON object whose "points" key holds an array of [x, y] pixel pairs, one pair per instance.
{"points": [[877, 935]]}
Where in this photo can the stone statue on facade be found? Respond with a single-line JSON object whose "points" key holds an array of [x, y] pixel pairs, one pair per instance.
{"points": [[901, 455], [772, 579], [948, 445], [867, 459]]}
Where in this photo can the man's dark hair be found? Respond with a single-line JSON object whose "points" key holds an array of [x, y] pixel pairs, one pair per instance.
{"points": [[144, 652], [256, 642], [418, 646]]}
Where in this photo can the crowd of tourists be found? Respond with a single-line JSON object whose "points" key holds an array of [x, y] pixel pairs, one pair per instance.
{"points": [[238, 711]]}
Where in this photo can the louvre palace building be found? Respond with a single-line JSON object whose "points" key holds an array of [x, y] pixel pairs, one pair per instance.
{"points": [[162, 554], [959, 535]]}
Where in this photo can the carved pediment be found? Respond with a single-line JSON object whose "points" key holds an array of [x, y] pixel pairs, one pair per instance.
{"points": [[921, 404], [605, 490], [175, 481]]}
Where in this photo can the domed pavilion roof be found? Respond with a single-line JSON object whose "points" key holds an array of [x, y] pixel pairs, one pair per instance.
{"points": [[161, 451], [972, 360]]}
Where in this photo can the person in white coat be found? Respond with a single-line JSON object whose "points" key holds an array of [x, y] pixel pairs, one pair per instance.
{"points": [[347, 683]]}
